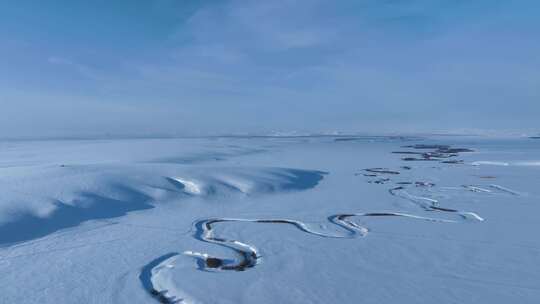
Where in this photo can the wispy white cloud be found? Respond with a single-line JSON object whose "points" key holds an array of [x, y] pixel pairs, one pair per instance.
{"points": [[81, 69]]}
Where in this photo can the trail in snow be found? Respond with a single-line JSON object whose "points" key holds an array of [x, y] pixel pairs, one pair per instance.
{"points": [[438, 153], [247, 255], [430, 204]]}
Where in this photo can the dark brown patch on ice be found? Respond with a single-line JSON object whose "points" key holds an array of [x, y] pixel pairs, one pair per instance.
{"points": [[454, 162], [379, 181], [486, 176], [214, 262], [381, 171]]}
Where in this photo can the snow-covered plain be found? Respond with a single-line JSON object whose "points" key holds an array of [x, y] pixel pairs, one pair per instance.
{"points": [[317, 219]]}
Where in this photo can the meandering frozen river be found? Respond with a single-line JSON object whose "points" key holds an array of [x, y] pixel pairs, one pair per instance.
{"points": [[314, 219]]}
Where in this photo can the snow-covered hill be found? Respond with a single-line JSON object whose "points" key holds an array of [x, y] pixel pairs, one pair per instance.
{"points": [[270, 220]]}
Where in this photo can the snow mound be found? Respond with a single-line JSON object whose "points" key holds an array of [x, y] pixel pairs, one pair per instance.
{"points": [[247, 181], [39, 201]]}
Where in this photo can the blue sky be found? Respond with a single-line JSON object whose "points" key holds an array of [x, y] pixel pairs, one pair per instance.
{"points": [[178, 67]]}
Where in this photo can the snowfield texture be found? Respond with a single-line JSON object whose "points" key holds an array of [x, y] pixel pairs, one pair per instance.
{"points": [[313, 219]]}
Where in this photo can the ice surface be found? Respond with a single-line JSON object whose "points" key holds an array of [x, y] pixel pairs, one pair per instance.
{"points": [[270, 220]]}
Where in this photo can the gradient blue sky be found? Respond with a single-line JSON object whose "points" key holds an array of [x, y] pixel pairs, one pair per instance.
{"points": [[198, 67]]}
